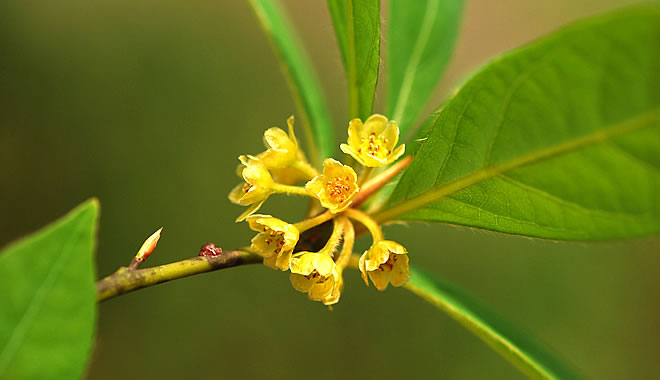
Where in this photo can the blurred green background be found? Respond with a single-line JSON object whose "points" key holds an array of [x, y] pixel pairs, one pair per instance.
{"points": [[147, 104]]}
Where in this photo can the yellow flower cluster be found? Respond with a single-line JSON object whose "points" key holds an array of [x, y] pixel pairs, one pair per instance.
{"points": [[282, 166]]}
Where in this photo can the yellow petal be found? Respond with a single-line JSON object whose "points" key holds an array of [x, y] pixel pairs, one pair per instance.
{"points": [[254, 195], [277, 139], [334, 295], [398, 152], [363, 269], [391, 133], [288, 175], [348, 149], [374, 124], [250, 210], [335, 169], [323, 264], [292, 135], [320, 290], [376, 255], [283, 260], [271, 262], [256, 174], [316, 186], [282, 152], [355, 128], [401, 271], [237, 193], [301, 283], [303, 264], [380, 279], [261, 246]]}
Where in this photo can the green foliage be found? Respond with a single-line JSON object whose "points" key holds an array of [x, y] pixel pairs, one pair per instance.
{"points": [[421, 40], [357, 26], [512, 344], [301, 78], [48, 299], [559, 139]]}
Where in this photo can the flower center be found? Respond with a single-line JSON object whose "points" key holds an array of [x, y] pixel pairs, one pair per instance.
{"points": [[246, 187], [274, 239], [375, 146], [389, 264], [316, 277], [339, 188]]}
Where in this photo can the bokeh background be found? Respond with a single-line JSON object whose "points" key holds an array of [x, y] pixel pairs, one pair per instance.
{"points": [[147, 104]]}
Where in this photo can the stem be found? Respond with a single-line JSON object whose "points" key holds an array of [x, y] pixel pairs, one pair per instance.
{"points": [[306, 168], [379, 181], [288, 189], [126, 280], [313, 222], [349, 239], [364, 175], [335, 238], [372, 226]]}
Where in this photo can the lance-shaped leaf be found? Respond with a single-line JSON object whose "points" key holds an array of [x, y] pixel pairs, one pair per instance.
{"points": [[517, 347], [559, 139], [421, 36], [357, 27], [301, 78], [48, 299]]}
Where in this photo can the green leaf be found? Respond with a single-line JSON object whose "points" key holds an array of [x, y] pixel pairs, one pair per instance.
{"points": [[301, 78], [559, 139], [513, 345], [48, 299], [357, 26], [421, 40]]}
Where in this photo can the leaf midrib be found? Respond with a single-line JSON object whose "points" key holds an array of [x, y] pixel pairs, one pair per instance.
{"points": [[34, 307], [416, 56], [351, 62], [602, 135]]}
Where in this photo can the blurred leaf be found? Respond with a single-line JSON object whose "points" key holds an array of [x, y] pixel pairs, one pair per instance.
{"points": [[301, 78], [421, 40], [514, 345], [357, 26], [48, 299], [559, 139]]}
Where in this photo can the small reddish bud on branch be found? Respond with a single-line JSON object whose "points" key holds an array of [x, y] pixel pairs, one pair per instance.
{"points": [[145, 251], [210, 249]]}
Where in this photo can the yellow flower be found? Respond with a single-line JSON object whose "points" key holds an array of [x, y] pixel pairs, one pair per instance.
{"points": [[288, 176], [257, 187], [372, 143], [336, 187], [275, 240], [282, 148], [315, 273], [385, 262], [337, 288]]}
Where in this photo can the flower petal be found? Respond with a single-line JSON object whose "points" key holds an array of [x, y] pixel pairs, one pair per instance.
{"points": [[250, 210], [374, 124], [355, 128], [363, 269], [236, 194], [380, 278], [401, 271], [301, 283], [348, 149], [303, 264]]}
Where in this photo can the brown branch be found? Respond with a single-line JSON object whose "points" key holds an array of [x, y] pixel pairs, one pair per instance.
{"points": [[126, 280], [379, 181]]}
